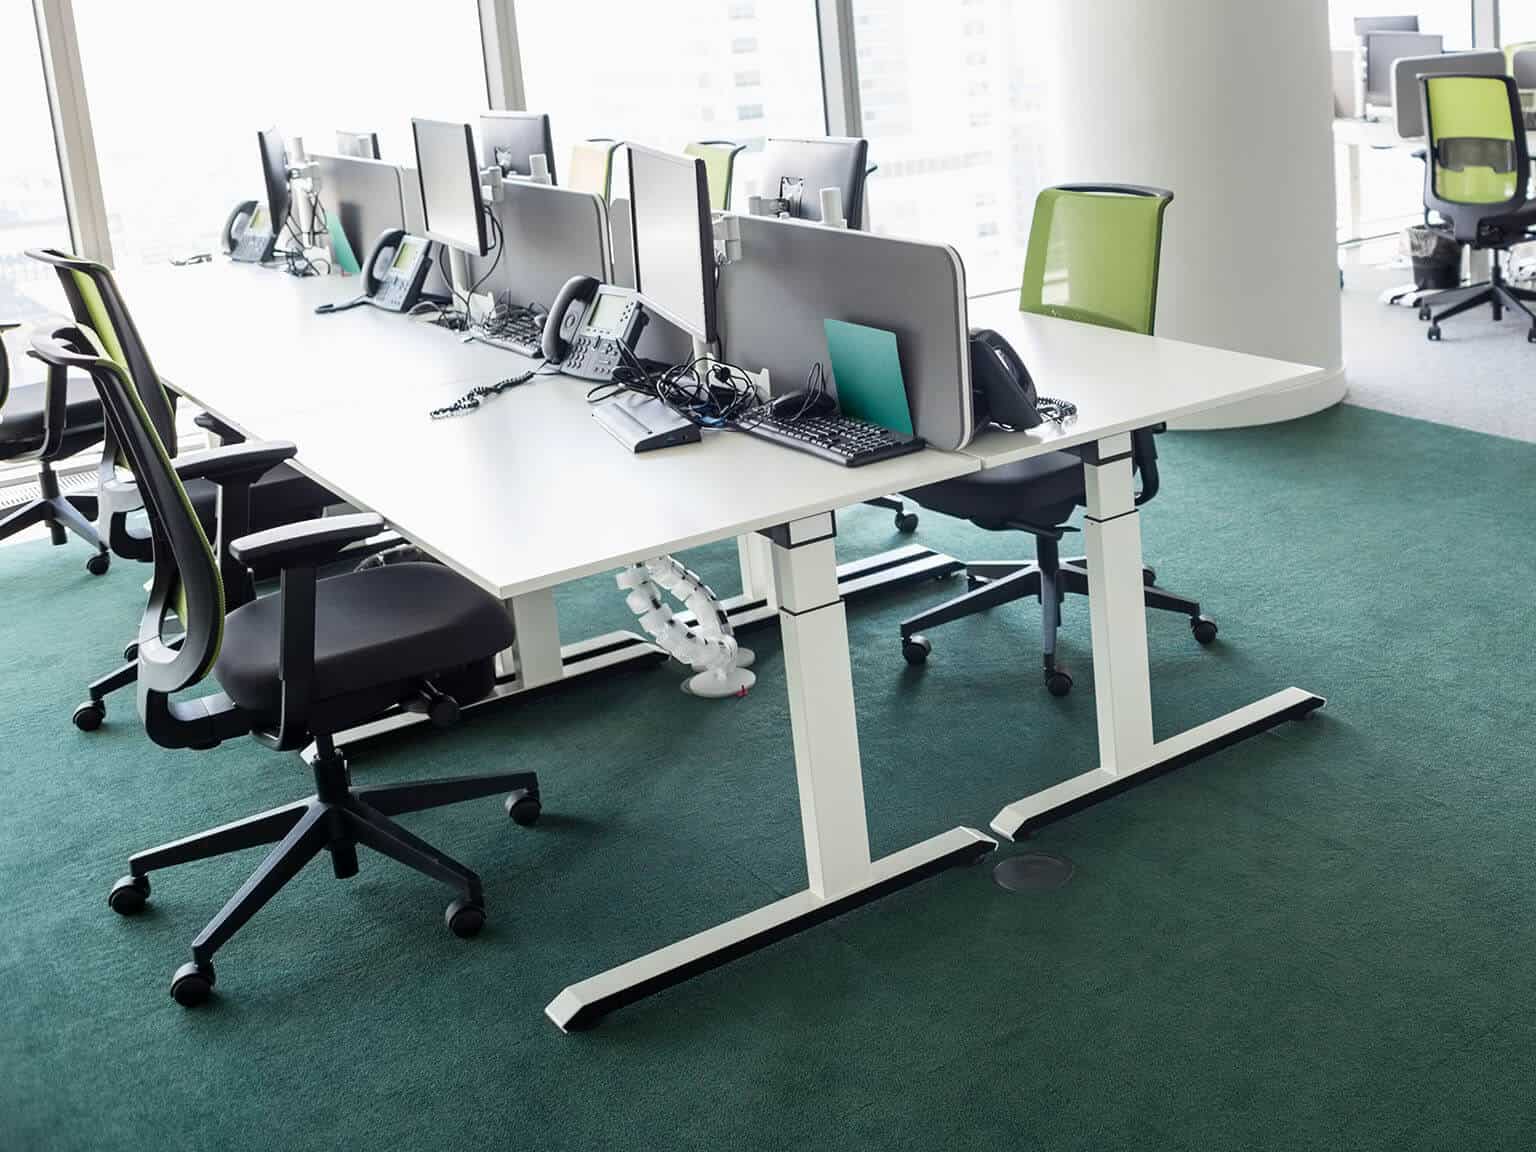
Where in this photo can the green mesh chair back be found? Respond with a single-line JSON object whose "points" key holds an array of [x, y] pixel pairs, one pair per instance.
{"points": [[1477, 153], [591, 168], [186, 581], [1093, 254], [97, 304], [719, 158]]}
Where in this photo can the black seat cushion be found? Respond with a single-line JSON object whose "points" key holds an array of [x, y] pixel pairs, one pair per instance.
{"points": [[1042, 490], [21, 420], [395, 625]]}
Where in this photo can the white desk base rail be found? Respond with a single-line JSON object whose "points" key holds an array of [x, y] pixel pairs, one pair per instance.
{"points": [[839, 872]]}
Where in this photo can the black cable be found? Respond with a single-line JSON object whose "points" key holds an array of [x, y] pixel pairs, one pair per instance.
{"points": [[472, 399]]}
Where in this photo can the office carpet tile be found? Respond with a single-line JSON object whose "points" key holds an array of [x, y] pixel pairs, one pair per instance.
{"points": [[1324, 937]]}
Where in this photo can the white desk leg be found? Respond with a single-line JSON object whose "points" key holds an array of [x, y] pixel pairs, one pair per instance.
{"points": [[534, 657], [1356, 225], [1123, 698], [839, 872], [756, 559]]}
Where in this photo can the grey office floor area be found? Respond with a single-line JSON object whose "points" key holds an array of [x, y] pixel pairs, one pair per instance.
{"points": [[1480, 376]]}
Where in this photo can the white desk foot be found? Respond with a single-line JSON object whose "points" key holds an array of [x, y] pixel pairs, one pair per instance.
{"points": [[583, 1005], [1017, 819]]}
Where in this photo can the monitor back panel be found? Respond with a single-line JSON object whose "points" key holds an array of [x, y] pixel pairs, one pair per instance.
{"points": [[550, 234], [793, 276]]}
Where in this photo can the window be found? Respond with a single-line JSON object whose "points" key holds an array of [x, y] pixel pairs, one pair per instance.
{"points": [[176, 108], [31, 191], [1517, 21], [667, 72], [949, 114]]}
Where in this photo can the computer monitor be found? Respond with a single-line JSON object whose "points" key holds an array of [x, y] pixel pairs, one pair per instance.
{"points": [[274, 171], [453, 209], [1368, 24], [1383, 50], [674, 238], [509, 139], [359, 145]]}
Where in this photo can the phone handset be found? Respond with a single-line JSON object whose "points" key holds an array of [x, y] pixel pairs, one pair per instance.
{"points": [[1002, 390], [248, 235], [393, 275], [593, 328]]}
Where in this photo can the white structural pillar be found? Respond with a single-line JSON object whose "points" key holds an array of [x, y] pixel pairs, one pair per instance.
{"points": [[1229, 105]]}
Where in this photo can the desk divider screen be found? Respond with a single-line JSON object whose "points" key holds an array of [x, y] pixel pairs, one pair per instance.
{"points": [[550, 234], [793, 276]]}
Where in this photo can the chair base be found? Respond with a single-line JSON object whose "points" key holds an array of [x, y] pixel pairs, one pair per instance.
{"points": [[337, 818], [63, 515], [1048, 580], [1495, 293]]}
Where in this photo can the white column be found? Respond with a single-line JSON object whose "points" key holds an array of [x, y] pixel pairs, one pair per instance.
{"points": [[1228, 103]]}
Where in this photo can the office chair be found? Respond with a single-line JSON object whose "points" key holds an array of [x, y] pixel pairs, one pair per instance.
{"points": [[591, 167], [294, 668], [1092, 257], [719, 158], [1476, 175], [47, 424], [280, 496]]}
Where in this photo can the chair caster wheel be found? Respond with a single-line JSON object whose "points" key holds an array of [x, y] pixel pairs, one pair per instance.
{"points": [[98, 564], [1531, 336], [1425, 314], [192, 984], [131, 653], [1057, 681], [464, 918], [524, 807], [1203, 627], [1433, 332], [129, 895], [88, 716], [1149, 577], [916, 649], [906, 522]]}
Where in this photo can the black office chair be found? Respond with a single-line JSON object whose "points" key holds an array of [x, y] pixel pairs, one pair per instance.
{"points": [[281, 496], [295, 668], [1476, 178], [1093, 257], [48, 423]]}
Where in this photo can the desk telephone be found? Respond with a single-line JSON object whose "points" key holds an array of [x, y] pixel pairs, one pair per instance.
{"points": [[393, 275], [591, 326], [1002, 391], [249, 236]]}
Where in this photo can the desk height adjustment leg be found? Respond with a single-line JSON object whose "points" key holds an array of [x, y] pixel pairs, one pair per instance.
{"points": [[534, 657], [839, 872], [1117, 614]]}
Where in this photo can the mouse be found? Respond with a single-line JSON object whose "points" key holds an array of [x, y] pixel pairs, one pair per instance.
{"points": [[799, 406]]}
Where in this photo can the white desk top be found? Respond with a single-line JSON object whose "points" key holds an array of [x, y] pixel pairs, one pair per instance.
{"points": [[1120, 381], [525, 493]]}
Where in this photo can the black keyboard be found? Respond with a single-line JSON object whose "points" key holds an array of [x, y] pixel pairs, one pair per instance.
{"points": [[520, 332], [841, 439]]}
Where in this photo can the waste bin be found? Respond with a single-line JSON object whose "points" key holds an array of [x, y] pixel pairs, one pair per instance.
{"points": [[1436, 257]]}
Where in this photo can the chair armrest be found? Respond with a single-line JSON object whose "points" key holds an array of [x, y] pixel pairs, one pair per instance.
{"points": [[248, 461], [211, 423], [307, 543]]}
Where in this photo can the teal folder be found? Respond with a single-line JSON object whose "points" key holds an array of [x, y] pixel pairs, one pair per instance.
{"points": [[340, 248], [866, 371]]}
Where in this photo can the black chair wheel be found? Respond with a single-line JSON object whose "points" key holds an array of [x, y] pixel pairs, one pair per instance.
{"points": [[524, 807], [1433, 332], [1425, 313], [1531, 336], [192, 984], [464, 918], [1058, 682], [98, 564], [906, 522], [131, 652], [1149, 576], [129, 895], [88, 716], [1203, 627], [916, 649]]}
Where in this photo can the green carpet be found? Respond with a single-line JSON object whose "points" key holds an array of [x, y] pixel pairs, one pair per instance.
{"points": [[1324, 937]]}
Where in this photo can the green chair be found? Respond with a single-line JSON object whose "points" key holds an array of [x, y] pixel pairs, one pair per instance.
{"points": [[48, 422], [1092, 258], [293, 670], [591, 168], [719, 158], [1476, 180]]}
